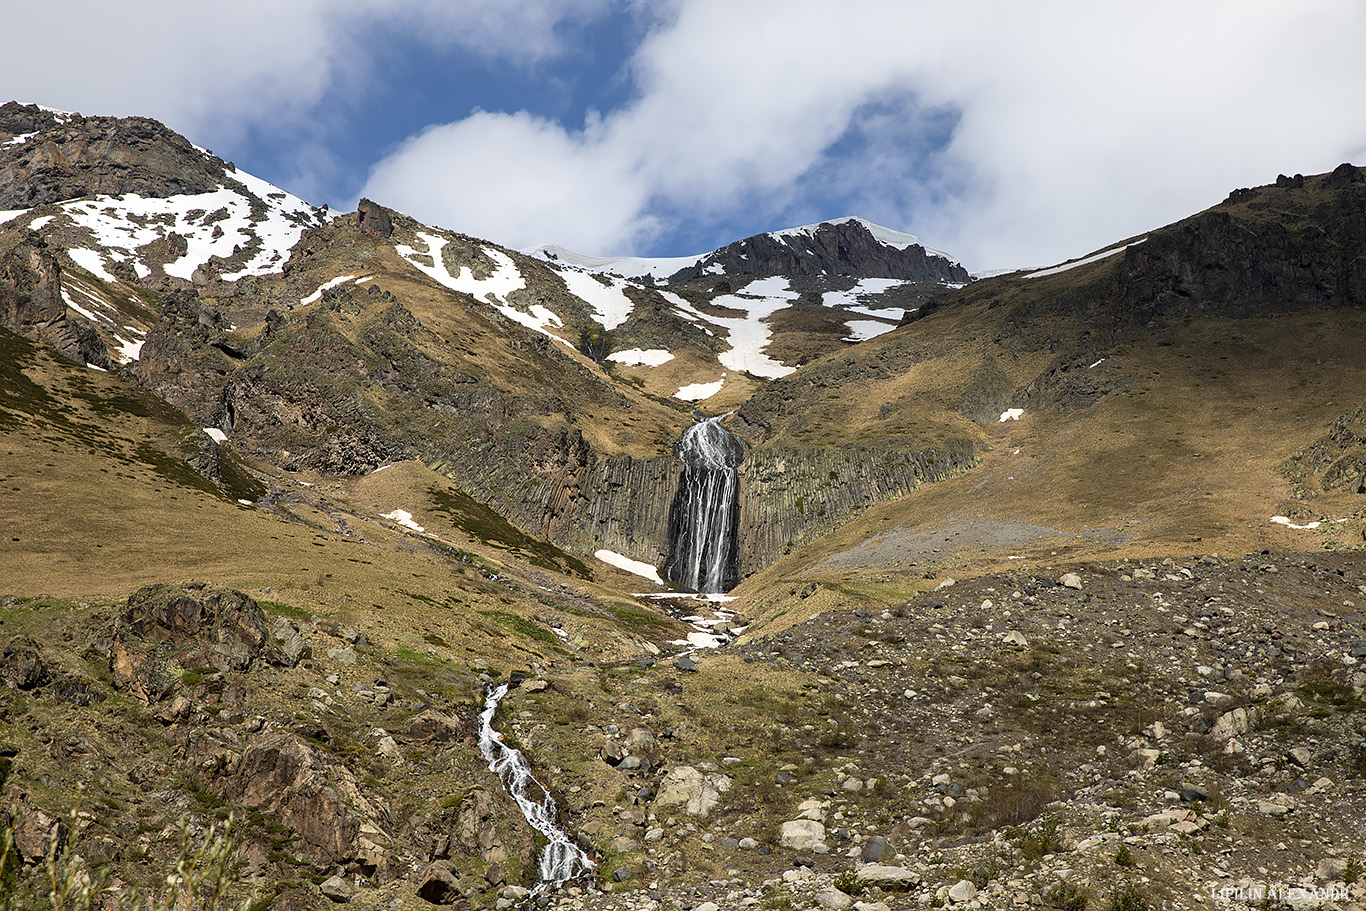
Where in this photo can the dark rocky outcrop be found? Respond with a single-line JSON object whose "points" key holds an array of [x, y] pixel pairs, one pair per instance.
{"points": [[22, 666], [164, 630], [31, 303], [73, 156], [1334, 461], [374, 219], [834, 248], [1301, 241]]}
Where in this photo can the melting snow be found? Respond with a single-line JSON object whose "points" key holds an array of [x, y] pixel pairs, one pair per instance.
{"points": [[865, 287], [610, 304], [749, 335], [132, 221], [696, 392], [1011, 414], [625, 266], [8, 215], [493, 290], [637, 567], [90, 261], [860, 330], [404, 518], [641, 357], [18, 140], [215, 434], [325, 286], [40, 222], [1084, 262], [1282, 520]]}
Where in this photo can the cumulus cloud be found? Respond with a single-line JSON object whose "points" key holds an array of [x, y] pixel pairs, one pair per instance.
{"points": [[1073, 124], [212, 70], [1008, 133]]}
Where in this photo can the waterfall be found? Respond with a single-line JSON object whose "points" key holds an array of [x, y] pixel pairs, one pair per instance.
{"points": [[561, 859], [704, 519]]}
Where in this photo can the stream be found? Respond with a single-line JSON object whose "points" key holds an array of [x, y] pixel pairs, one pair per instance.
{"points": [[561, 860]]}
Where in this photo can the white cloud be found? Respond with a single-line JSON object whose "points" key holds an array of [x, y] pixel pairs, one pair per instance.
{"points": [[1079, 123], [211, 70]]}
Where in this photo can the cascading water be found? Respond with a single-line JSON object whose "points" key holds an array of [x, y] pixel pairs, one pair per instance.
{"points": [[561, 860], [704, 519]]}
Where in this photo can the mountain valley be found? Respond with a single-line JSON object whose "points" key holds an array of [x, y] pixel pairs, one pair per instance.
{"points": [[1049, 583]]}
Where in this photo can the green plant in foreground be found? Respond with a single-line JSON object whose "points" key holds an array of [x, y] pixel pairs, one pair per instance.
{"points": [[200, 880], [1128, 898]]}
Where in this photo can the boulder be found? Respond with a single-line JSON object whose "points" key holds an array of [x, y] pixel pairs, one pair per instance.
{"points": [[801, 834], [302, 787], [337, 889], [887, 877], [22, 667], [1234, 723], [695, 791], [962, 891], [439, 885], [35, 832], [165, 629], [433, 726], [1070, 580], [833, 899], [873, 849]]}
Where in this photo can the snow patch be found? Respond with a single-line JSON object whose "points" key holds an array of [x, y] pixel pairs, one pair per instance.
{"points": [[325, 286], [404, 518], [749, 335], [637, 567], [624, 266], [1282, 520], [215, 434], [696, 392], [9, 215], [610, 304], [1011, 414], [641, 357], [494, 290], [18, 140], [1104, 254], [90, 261], [860, 330], [40, 222]]}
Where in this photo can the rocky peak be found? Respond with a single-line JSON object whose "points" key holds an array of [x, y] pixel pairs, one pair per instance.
{"points": [[847, 247], [47, 156]]}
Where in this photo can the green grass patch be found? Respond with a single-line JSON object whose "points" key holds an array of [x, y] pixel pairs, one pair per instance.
{"points": [[481, 522]]}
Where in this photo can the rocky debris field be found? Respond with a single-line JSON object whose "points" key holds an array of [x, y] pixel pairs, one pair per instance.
{"points": [[1164, 734], [1183, 734]]}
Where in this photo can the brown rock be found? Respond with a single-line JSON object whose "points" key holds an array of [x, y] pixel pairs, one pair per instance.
{"points": [[374, 219], [21, 665], [439, 885]]}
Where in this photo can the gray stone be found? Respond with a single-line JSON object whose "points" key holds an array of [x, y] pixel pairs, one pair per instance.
{"points": [[621, 874], [887, 877], [1015, 637], [964, 890], [342, 655], [634, 764], [337, 889], [1067, 580], [873, 849], [685, 663], [695, 791], [439, 885], [833, 899], [1300, 756], [801, 834]]}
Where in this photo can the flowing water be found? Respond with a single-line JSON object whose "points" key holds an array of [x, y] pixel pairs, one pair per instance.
{"points": [[704, 519], [561, 859]]}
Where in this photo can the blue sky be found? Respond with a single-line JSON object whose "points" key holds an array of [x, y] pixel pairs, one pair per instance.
{"points": [[1007, 134]]}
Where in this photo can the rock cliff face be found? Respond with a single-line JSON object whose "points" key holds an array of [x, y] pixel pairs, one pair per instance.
{"points": [[1302, 240], [788, 495], [31, 303], [837, 248], [67, 156]]}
